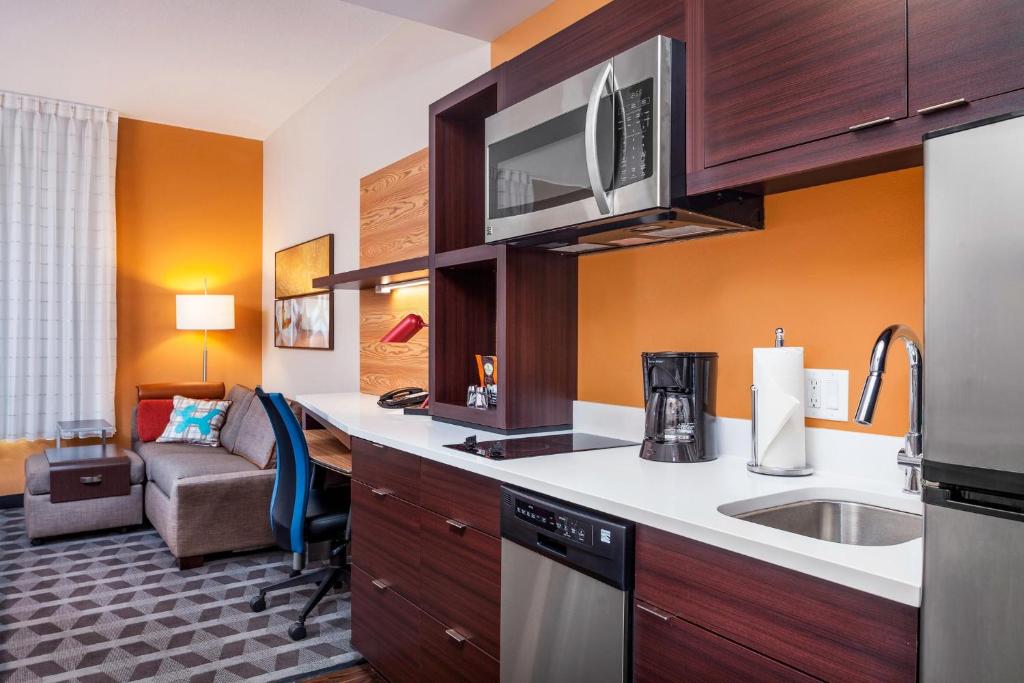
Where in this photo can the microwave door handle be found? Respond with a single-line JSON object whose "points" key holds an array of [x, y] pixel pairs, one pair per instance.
{"points": [[590, 139]]}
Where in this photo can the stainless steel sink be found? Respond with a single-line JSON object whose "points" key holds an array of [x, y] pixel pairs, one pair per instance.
{"points": [[840, 521]]}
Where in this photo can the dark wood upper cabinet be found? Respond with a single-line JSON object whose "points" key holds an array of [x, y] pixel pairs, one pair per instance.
{"points": [[963, 50], [778, 73]]}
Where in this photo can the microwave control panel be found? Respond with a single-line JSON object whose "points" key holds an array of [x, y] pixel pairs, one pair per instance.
{"points": [[634, 121]]}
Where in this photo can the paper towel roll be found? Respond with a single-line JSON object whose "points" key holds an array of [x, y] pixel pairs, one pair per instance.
{"points": [[779, 378]]}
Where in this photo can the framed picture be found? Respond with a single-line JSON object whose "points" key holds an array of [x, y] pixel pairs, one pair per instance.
{"points": [[305, 322], [295, 267]]}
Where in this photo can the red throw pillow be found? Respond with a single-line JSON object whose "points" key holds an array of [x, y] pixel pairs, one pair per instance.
{"points": [[152, 417]]}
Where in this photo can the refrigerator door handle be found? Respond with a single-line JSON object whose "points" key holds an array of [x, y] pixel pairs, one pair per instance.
{"points": [[991, 504]]}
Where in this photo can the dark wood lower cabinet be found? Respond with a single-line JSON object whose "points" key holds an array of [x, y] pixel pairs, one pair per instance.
{"points": [[446, 655], [826, 630], [385, 629], [668, 649], [386, 539], [460, 576]]}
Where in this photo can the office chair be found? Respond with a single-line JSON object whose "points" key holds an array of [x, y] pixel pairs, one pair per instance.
{"points": [[300, 515]]}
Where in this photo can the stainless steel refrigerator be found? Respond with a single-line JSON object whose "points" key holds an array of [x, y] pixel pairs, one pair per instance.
{"points": [[972, 617]]}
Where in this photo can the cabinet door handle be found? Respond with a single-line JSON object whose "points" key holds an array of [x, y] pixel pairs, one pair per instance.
{"points": [[380, 584], [943, 105], [381, 492], [871, 124], [91, 481], [455, 524], [455, 635], [650, 610]]}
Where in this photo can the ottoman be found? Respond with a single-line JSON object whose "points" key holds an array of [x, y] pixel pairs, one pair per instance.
{"points": [[44, 517]]}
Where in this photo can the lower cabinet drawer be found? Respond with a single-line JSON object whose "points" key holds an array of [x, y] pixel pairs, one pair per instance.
{"points": [[386, 539], [446, 655], [385, 629], [383, 467], [84, 481], [830, 631], [667, 649], [460, 579]]}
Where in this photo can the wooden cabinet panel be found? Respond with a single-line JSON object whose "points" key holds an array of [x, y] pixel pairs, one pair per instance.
{"points": [[381, 467], [667, 649], [386, 539], [463, 496], [964, 49], [607, 31], [778, 73], [460, 573], [385, 629], [821, 628], [446, 656]]}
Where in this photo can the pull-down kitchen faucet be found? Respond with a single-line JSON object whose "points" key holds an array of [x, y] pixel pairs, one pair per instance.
{"points": [[909, 456]]}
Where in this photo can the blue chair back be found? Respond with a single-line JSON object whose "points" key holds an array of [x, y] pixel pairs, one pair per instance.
{"points": [[294, 474]]}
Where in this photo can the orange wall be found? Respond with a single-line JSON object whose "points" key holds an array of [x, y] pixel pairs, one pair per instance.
{"points": [[836, 264], [189, 205], [543, 24]]}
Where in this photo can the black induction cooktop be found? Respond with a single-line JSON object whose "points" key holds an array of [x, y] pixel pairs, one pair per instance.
{"points": [[531, 446]]}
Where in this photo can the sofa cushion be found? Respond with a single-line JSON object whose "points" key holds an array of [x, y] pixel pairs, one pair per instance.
{"points": [[152, 416], [256, 437], [196, 421], [240, 398], [37, 472], [166, 463]]}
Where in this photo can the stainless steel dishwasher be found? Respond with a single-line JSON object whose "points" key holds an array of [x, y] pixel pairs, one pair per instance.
{"points": [[566, 590]]}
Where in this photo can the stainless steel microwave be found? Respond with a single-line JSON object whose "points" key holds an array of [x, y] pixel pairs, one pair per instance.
{"points": [[598, 161]]}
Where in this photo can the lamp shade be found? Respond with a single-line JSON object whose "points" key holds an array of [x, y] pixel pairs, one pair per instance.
{"points": [[205, 311], [405, 330]]}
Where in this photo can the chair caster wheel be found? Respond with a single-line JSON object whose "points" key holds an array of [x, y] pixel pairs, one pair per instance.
{"points": [[36, 541], [297, 631], [258, 604]]}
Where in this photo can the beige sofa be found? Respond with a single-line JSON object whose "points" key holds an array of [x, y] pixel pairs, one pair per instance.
{"points": [[205, 500]]}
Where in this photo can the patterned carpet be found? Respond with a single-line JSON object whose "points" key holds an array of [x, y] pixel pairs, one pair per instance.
{"points": [[114, 607]]}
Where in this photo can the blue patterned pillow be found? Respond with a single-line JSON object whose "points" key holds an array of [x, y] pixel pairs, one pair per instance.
{"points": [[195, 421]]}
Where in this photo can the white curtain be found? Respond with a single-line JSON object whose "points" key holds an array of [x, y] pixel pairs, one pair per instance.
{"points": [[58, 327]]}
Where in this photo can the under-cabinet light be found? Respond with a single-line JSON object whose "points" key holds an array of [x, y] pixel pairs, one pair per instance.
{"points": [[387, 289]]}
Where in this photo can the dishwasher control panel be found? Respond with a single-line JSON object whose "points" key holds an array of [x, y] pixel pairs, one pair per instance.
{"points": [[561, 523], [595, 543]]}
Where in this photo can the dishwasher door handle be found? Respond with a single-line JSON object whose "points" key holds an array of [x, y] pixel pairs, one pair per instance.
{"points": [[550, 546]]}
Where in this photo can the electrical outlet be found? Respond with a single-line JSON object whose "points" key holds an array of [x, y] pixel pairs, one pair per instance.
{"points": [[826, 394]]}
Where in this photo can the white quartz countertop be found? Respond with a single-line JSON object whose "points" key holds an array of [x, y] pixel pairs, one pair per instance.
{"points": [[679, 498]]}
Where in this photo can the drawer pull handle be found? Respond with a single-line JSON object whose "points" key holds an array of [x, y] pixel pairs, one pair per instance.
{"points": [[378, 445], [960, 101], [456, 636], [91, 481], [380, 493], [455, 524], [380, 584], [871, 124], [650, 610]]}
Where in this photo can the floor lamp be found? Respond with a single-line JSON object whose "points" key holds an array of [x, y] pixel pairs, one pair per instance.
{"points": [[205, 312]]}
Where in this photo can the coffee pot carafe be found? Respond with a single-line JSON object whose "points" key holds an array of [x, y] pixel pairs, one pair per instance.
{"points": [[679, 390]]}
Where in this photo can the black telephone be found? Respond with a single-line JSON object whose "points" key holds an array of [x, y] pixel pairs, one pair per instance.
{"points": [[402, 398]]}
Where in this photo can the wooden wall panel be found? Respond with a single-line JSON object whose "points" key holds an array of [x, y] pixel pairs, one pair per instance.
{"points": [[393, 215], [393, 211], [383, 367]]}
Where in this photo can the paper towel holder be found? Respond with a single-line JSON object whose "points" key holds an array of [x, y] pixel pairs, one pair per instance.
{"points": [[753, 464]]}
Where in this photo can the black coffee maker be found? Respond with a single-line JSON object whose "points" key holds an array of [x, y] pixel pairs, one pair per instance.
{"points": [[679, 390]]}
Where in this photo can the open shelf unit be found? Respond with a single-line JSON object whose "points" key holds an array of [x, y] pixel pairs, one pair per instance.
{"points": [[516, 304], [368, 278]]}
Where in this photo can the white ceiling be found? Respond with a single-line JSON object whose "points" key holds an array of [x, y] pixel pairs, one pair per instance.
{"points": [[241, 67], [483, 19], [231, 66]]}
